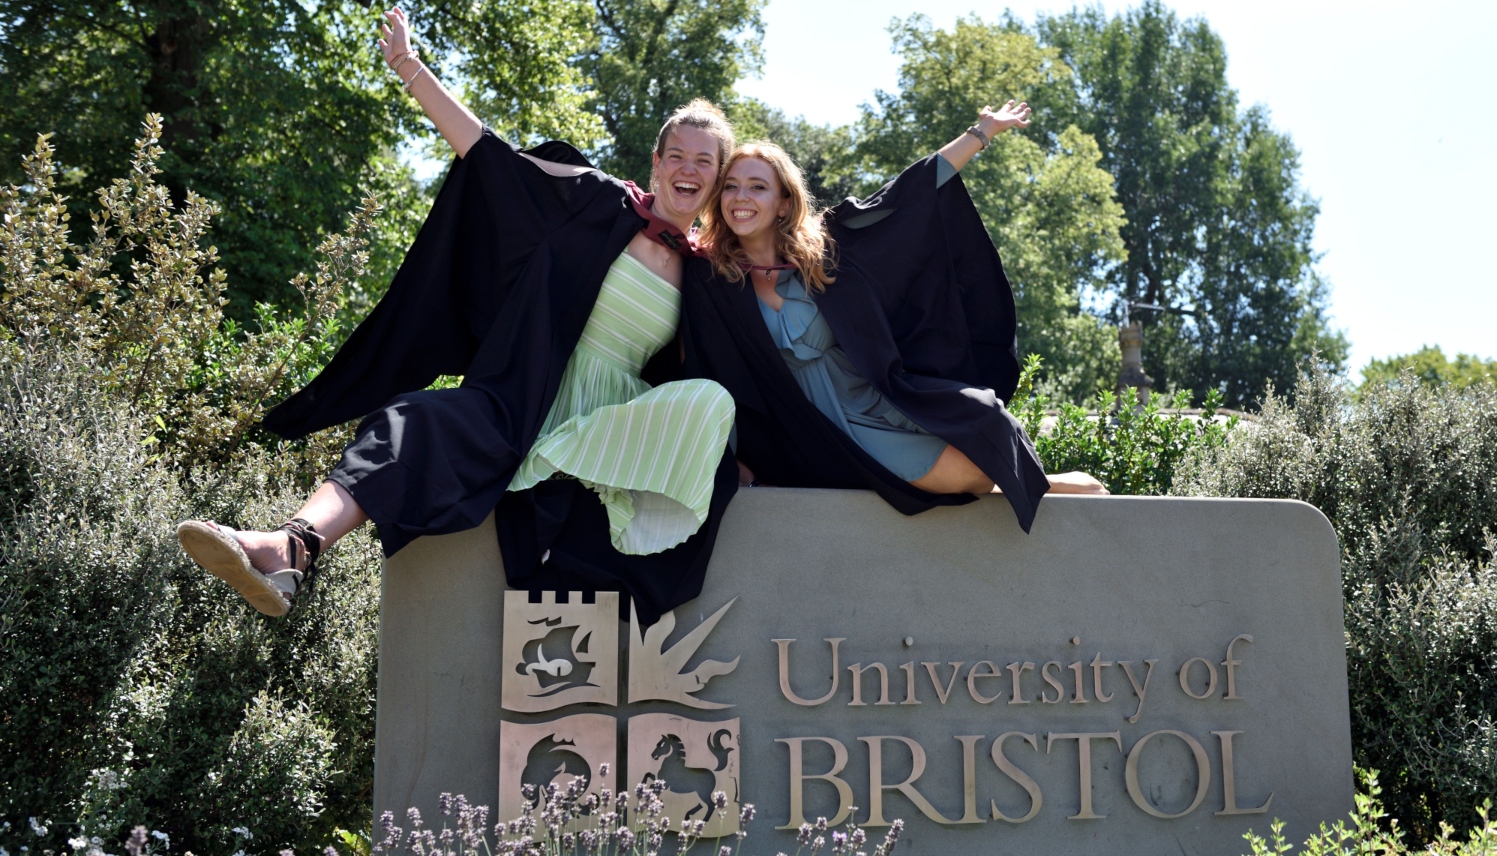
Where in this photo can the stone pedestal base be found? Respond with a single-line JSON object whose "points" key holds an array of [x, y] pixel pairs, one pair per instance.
{"points": [[1136, 676]]}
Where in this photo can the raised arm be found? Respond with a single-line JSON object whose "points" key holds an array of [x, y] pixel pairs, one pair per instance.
{"points": [[456, 123], [991, 123]]}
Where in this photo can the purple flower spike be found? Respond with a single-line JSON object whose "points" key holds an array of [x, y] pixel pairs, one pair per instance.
{"points": [[135, 845]]}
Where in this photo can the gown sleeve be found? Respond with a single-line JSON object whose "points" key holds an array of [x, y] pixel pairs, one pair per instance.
{"points": [[924, 311], [491, 213]]}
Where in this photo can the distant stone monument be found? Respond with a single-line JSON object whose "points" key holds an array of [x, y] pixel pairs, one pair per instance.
{"points": [[1138, 675], [1131, 342]]}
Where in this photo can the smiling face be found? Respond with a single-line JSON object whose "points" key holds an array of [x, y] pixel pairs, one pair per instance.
{"points": [[752, 199], [685, 173]]}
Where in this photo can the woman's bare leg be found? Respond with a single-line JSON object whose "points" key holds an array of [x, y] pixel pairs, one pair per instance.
{"points": [[954, 472], [332, 512]]}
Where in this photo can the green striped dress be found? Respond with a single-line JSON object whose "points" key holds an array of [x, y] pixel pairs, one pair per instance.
{"points": [[649, 453]]}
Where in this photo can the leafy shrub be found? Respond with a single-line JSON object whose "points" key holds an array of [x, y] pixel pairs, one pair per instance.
{"points": [[1370, 831], [134, 687], [1407, 474], [1132, 450]]}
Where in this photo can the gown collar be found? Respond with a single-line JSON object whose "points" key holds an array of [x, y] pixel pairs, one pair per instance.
{"points": [[656, 229]]}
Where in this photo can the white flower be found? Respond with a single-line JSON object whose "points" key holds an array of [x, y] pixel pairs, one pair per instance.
{"points": [[166, 840], [78, 843], [36, 828], [108, 779], [242, 832]]}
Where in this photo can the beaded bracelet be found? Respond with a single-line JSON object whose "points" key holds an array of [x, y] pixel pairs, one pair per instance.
{"points": [[404, 58]]}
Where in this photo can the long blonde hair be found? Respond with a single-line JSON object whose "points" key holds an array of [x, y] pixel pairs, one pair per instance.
{"points": [[800, 238]]}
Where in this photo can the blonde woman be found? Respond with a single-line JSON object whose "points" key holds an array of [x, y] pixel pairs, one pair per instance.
{"points": [[890, 316], [548, 286]]}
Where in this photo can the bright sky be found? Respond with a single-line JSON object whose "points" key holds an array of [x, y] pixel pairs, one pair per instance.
{"points": [[1391, 104]]}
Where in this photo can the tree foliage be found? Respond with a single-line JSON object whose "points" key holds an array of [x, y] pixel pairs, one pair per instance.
{"points": [[1217, 225], [281, 113], [1430, 367], [652, 57], [1047, 200]]}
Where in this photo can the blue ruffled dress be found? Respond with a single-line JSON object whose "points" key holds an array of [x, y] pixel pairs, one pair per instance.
{"points": [[827, 376]]}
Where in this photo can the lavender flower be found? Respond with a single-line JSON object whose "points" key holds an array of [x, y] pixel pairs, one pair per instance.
{"points": [[803, 837], [892, 837], [746, 814], [386, 825], [135, 845]]}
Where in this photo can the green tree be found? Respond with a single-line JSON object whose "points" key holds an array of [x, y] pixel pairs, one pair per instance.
{"points": [[652, 57], [1431, 368], [280, 112], [1217, 226], [1047, 200]]}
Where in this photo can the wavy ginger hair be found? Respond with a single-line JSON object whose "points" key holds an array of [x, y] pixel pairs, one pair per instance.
{"points": [[800, 238]]}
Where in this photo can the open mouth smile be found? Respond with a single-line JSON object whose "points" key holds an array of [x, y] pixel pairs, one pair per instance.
{"points": [[686, 188]]}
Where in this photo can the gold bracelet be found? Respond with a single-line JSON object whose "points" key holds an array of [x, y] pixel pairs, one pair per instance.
{"points": [[413, 77]]}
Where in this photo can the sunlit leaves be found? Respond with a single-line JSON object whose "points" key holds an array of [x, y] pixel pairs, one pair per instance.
{"points": [[1048, 203]]}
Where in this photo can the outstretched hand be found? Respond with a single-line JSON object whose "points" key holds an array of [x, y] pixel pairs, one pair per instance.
{"points": [[1010, 115], [397, 35]]}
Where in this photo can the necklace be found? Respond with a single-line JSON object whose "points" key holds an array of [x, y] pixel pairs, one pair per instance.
{"points": [[766, 269]]}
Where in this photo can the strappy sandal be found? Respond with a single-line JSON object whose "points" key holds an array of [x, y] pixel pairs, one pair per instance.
{"points": [[214, 546]]}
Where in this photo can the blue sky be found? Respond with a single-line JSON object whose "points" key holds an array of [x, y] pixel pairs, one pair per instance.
{"points": [[1393, 107]]}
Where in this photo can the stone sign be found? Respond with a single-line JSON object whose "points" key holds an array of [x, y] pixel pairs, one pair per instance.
{"points": [[1138, 675]]}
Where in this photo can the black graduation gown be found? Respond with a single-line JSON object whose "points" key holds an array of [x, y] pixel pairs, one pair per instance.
{"points": [[922, 308], [497, 287]]}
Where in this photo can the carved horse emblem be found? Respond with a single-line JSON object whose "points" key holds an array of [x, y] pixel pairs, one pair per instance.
{"points": [[681, 779]]}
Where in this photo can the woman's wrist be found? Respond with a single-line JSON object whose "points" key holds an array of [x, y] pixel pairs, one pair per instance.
{"points": [[401, 58]]}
